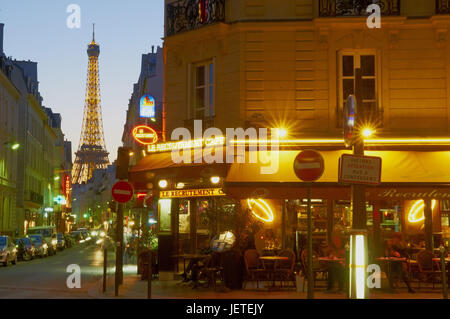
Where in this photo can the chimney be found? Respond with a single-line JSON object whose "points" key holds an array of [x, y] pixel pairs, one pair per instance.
{"points": [[153, 48], [1, 38]]}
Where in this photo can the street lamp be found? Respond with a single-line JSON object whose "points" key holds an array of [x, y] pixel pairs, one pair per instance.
{"points": [[367, 132], [14, 146]]}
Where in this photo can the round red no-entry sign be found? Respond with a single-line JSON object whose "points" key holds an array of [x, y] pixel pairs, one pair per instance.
{"points": [[309, 165], [122, 192]]}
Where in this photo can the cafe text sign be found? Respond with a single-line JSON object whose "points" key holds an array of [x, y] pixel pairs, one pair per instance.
{"points": [[414, 193], [191, 193], [355, 169]]}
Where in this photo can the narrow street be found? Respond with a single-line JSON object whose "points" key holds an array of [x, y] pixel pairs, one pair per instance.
{"points": [[46, 278]]}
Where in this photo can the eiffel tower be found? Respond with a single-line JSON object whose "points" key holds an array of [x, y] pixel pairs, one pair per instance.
{"points": [[91, 154]]}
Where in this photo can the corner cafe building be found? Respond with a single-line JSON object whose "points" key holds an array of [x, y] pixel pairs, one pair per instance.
{"points": [[413, 197]]}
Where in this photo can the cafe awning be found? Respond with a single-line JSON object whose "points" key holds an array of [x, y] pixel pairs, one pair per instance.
{"points": [[162, 165], [414, 172]]}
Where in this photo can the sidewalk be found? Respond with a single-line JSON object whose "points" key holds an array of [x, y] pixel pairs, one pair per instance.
{"points": [[135, 288]]}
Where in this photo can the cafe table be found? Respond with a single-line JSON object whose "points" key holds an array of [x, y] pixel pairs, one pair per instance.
{"points": [[274, 260]]}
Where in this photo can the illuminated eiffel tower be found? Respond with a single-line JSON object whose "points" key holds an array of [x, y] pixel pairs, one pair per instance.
{"points": [[91, 154]]}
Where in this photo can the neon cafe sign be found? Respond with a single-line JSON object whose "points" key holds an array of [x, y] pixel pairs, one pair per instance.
{"points": [[416, 213], [145, 135], [260, 209]]}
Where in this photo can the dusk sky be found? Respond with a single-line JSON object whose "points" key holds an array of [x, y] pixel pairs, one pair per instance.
{"points": [[37, 31]]}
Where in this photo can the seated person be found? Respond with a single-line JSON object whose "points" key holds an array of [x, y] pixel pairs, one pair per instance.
{"points": [[336, 270], [397, 248]]}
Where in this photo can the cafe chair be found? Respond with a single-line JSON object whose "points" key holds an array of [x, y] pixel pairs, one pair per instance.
{"points": [[428, 270], [285, 270], [213, 270], [253, 268], [320, 272]]}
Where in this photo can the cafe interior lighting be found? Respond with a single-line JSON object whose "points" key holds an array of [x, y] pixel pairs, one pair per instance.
{"points": [[262, 206], [180, 185]]}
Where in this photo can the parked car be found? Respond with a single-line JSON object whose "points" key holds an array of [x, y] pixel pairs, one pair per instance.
{"points": [[60, 241], [40, 244], [8, 251], [49, 235], [25, 248]]}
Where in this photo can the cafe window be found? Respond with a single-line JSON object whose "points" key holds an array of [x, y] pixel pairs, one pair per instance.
{"points": [[202, 91], [348, 64]]}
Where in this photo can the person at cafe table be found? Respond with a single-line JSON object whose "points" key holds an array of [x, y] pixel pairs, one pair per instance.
{"points": [[336, 270], [397, 248]]}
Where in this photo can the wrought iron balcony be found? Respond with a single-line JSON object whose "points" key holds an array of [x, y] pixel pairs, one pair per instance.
{"points": [[355, 8], [443, 6], [186, 15]]}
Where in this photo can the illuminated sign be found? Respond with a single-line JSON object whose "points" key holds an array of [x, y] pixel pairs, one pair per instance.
{"points": [[67, 187], [147, 106], [182, 145], [205, 192], [258, 206], [145, 135], [415, 194], [59, 200], [416, 213]]}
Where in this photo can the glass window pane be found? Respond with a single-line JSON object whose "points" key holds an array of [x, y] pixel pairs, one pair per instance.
{"points": [[200, 76], [368, 107], [368, 89], [211, 100], [348, 87], [368, 65], [347, 65], [211, 73], [199, 114], [200, 98]]}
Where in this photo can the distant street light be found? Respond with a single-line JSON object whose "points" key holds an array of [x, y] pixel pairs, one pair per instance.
{"points": [[14, 146]]}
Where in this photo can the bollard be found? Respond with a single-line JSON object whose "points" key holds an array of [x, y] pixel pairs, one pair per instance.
{"points": [[150, 275], [105, 267], [444, 273]]}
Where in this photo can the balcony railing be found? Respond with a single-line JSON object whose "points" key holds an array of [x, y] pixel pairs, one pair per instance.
{"points": [[186, 15], [443, 6], [355, 8]]}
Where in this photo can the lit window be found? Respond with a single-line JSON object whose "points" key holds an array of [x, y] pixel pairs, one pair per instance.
{"points": [[202, 102], [349, 63]]}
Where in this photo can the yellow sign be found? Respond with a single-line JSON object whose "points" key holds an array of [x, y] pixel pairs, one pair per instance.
{"points": [[190, 144], [192, 193]]}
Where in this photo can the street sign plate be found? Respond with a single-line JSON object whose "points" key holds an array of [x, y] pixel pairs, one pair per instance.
{"points": [[357, 169], [122, 192], [309, 165]]}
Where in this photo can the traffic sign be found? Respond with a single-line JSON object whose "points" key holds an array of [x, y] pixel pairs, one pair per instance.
{"points": [[349, 120], [357, 169], [309, 165], [122, 192]]}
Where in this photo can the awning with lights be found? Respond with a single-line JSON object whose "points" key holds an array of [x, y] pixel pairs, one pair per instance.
{"points": [[405, 175], [161, 165]]}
